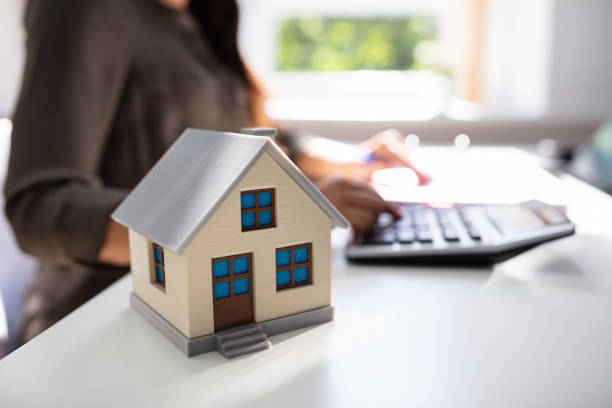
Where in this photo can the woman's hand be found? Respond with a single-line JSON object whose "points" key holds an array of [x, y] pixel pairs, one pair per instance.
{"points": [[116, 246], [343, 172], [388, 149], [356, 200], [321, 158]]}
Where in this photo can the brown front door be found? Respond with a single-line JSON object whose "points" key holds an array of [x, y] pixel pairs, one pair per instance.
{"points": [[232, 278]]}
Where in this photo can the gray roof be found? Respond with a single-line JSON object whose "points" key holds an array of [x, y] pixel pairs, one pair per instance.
{"points": [[183, 190]]}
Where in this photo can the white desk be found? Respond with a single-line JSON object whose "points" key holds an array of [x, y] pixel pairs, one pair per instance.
{"points": [[535, 331]]}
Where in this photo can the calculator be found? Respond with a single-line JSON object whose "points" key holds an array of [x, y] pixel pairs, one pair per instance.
{"points": [[460, 233]]}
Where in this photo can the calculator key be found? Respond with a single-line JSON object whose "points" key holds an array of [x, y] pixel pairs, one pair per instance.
{"points": [[444, 219], [403, 223], [450, 235], [421, 223], [379, 240], [405, 237], [422, 227], [424, 237], [420, 218], [384, 220], [407, 212], [446, 226], [405, 229], [475, 235], [388, 237]]}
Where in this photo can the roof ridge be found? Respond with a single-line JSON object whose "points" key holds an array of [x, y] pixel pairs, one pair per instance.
{"points": [[189, 183]]}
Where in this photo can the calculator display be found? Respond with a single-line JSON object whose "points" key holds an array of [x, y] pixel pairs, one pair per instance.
{"points": [[516, 219]]}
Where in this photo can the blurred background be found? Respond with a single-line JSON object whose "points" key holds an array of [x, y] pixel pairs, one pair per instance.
{"points": [[499, 70], [512, 72], [505, 70]]}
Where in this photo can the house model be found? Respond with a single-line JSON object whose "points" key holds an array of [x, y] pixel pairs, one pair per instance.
{"points": [[229, 244]]}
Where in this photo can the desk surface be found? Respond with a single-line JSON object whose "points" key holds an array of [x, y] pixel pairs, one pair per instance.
{"points": [[533, 331]]}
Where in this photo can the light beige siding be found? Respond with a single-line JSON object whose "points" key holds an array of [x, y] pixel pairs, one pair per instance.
{"points": [[171, 303], [299, 220]]}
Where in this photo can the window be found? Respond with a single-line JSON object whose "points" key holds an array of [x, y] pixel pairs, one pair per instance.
{"points": [[159, 272], [355, 43], [258, 209], [352, 60], [232, 276], [324, 60], [293, 266]]}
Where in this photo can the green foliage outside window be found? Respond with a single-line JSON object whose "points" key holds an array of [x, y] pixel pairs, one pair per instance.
{"points": [[344, 44]]}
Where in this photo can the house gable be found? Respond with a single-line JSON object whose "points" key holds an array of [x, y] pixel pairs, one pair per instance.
{"points": [[299, 220]]}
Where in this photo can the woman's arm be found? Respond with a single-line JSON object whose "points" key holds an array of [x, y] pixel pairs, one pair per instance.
{"points": [[115, 249], [319, 157], [73, 80], [342, 172]]}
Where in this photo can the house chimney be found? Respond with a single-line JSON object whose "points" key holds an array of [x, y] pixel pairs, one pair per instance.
{"points": [[259, 131]]}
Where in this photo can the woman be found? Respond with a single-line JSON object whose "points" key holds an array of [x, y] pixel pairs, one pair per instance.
{"points": [[108, 86]]}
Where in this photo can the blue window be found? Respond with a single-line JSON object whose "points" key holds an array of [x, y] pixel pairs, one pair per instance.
{"points": [[283, 258], [221, 269], [257, 209], [265, 218], [247, 201], [159, 277], [265, 199], [241, 265], [300, 255], [248, 220], [160, 274], [301, 274], [222, 290], [283, 278], [241, 286], [231, 276], [293, 266]]}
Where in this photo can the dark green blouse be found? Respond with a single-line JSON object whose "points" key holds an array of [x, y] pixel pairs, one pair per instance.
{"points": [[108, 86]]}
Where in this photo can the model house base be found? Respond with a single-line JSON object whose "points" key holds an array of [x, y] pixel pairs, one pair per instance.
{"points": [[235, 341]]}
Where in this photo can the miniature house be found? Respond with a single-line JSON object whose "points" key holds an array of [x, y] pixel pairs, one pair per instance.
{"points": [[229, 243]]}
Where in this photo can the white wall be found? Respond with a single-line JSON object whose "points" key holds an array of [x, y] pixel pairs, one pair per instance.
{"points": [[11, 53], [517, 58], [581, 77], [548, 59]]}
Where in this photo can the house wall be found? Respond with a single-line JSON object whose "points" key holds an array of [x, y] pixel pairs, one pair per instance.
{"points": [[299, 220], [170, 302]]}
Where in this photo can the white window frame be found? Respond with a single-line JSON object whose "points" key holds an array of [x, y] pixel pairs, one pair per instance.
{"points": [[516, 30], [343, 94]]}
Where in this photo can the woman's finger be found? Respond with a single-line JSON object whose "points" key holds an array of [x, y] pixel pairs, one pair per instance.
{"points": [[388, 148], [367, 198], [363, 194], [398, 154], [361, 219]]}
